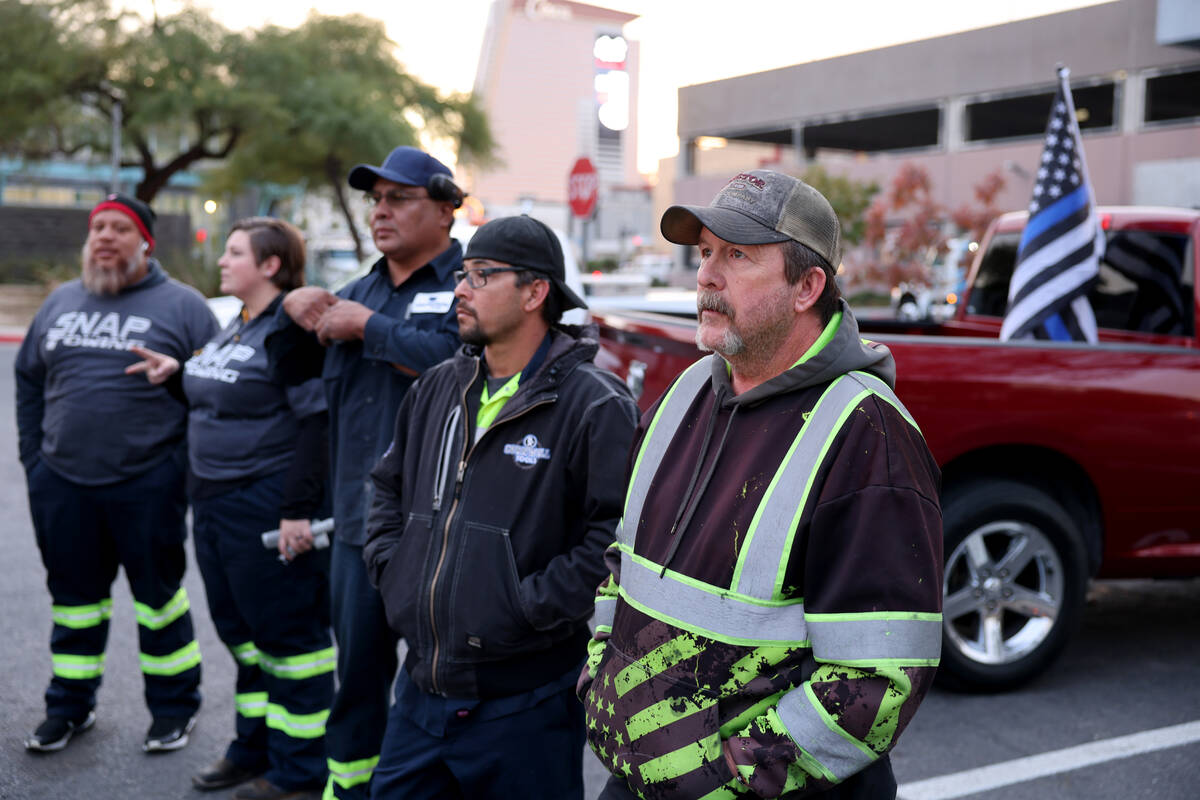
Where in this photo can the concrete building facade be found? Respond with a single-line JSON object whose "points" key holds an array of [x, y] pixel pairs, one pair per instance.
{"points": [[965, 105], [551, 74]]}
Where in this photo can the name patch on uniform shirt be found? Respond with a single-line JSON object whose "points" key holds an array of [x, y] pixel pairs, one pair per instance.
{"points": [[431, 302], [527, 452]]}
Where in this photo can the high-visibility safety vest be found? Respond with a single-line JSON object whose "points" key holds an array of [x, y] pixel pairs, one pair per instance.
{"points": [[752, 612]]}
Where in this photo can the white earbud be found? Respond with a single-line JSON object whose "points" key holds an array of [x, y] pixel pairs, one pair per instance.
{"points": [[145, 246]]}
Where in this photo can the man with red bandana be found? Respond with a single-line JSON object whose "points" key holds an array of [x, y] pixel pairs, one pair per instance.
{"points": [[104, 460]]}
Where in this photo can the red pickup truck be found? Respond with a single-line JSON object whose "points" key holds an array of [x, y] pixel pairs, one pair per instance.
{"points": [[1060, 462]]}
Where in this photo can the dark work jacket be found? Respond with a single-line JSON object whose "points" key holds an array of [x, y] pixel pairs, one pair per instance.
{"points": [[865, 542], [487, 555]]}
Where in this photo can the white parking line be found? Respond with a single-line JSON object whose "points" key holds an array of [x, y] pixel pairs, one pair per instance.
{"points": [[1019, 770]]}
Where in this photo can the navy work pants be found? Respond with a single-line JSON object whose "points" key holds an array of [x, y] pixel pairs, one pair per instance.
{"points": [[84, 534], [366, 668], [534, 752], [274, 619]]}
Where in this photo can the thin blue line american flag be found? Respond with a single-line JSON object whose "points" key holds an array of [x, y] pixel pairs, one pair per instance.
{"points": [[1058, 259]]}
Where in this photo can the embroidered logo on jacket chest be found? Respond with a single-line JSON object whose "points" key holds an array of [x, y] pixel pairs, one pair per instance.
{"points": [[527, 452]]}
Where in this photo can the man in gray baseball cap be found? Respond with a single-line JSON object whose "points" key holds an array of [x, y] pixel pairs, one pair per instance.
{"points": [[769, 214], [782, 513]]}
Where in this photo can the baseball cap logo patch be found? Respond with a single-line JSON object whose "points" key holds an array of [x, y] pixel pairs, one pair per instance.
{"points": [[746, 177]]}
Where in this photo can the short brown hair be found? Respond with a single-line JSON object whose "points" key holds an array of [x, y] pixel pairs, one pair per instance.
{"points": [[270, 236], [799, 259], [552, 306]]}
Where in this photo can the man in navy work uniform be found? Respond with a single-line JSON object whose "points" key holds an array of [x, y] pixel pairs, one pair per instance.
{"points": [[104, 459], [493, 507], [379, 333]]}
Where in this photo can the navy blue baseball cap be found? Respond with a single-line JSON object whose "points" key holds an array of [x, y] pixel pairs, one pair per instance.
{"points": [[405, 164]]}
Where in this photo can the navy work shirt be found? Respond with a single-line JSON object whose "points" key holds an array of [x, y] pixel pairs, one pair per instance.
{"points": [[241, 422], [415, 327]]}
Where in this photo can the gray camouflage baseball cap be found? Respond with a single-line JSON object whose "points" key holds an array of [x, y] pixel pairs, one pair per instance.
{"points": [[761, 207]]}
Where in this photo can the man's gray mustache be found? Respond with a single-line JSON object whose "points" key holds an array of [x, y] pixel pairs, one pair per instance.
{"points": [[712, 301]]}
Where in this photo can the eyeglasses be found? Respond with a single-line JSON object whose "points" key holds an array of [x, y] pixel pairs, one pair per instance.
{"points": [[478, 278], [394, 199]]}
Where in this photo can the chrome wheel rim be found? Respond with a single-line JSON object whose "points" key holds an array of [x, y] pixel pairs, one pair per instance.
{"points": [[1002, 592]]}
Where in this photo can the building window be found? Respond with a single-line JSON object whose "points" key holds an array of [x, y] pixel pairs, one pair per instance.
{"points": [[1026, 115], [1174, 96], [904, 130]]}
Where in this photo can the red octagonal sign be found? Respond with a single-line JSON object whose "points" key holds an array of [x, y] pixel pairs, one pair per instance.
{"points": [[582, 187]]}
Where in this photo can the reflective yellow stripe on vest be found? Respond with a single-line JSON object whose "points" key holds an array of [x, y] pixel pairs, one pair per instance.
{"points": [[606, 608], [762, 560], [658, 436], [755, 612], [807, 721]]}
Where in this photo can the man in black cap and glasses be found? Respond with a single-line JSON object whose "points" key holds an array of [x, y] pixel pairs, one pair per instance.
{"points": [[493, 507], [378, 333], [104, 457]]}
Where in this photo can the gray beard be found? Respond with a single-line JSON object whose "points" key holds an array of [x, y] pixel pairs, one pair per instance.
{"points": [[104, 282], [731, 343]]}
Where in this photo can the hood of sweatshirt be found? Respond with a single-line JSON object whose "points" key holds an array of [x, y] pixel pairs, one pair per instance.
{"points": [[839, 349]]}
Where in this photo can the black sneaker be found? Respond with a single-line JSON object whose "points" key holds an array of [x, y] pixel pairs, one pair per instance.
{"points": [[54, 733], [168, 733]]}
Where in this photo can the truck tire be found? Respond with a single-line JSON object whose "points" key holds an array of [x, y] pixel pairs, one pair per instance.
{"points": [[1014, 587]]}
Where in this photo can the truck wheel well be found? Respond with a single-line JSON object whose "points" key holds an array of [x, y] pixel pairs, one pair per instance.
{"points": [[1044, 469]]}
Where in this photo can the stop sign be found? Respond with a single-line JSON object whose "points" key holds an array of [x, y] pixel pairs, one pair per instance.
{"points": [[582, 185]]}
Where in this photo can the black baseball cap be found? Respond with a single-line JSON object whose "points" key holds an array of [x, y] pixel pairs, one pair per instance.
{"points": [[527, 243]]}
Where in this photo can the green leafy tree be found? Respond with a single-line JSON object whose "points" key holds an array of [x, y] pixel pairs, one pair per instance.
{"points": [[52, 54], [332, 95], [293, 106], [68, 63], [849, 198]]}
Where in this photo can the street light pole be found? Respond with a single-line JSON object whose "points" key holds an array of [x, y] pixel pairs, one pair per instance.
{"points": [[116, 142], [116, 95]]}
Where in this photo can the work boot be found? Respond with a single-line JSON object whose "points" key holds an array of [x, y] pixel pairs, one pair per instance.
{"points": [[221, 774], [263, 789], [54, 733], [168, 733]]}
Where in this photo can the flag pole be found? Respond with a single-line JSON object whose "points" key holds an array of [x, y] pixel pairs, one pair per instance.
{"points": [[1064, 74]]}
